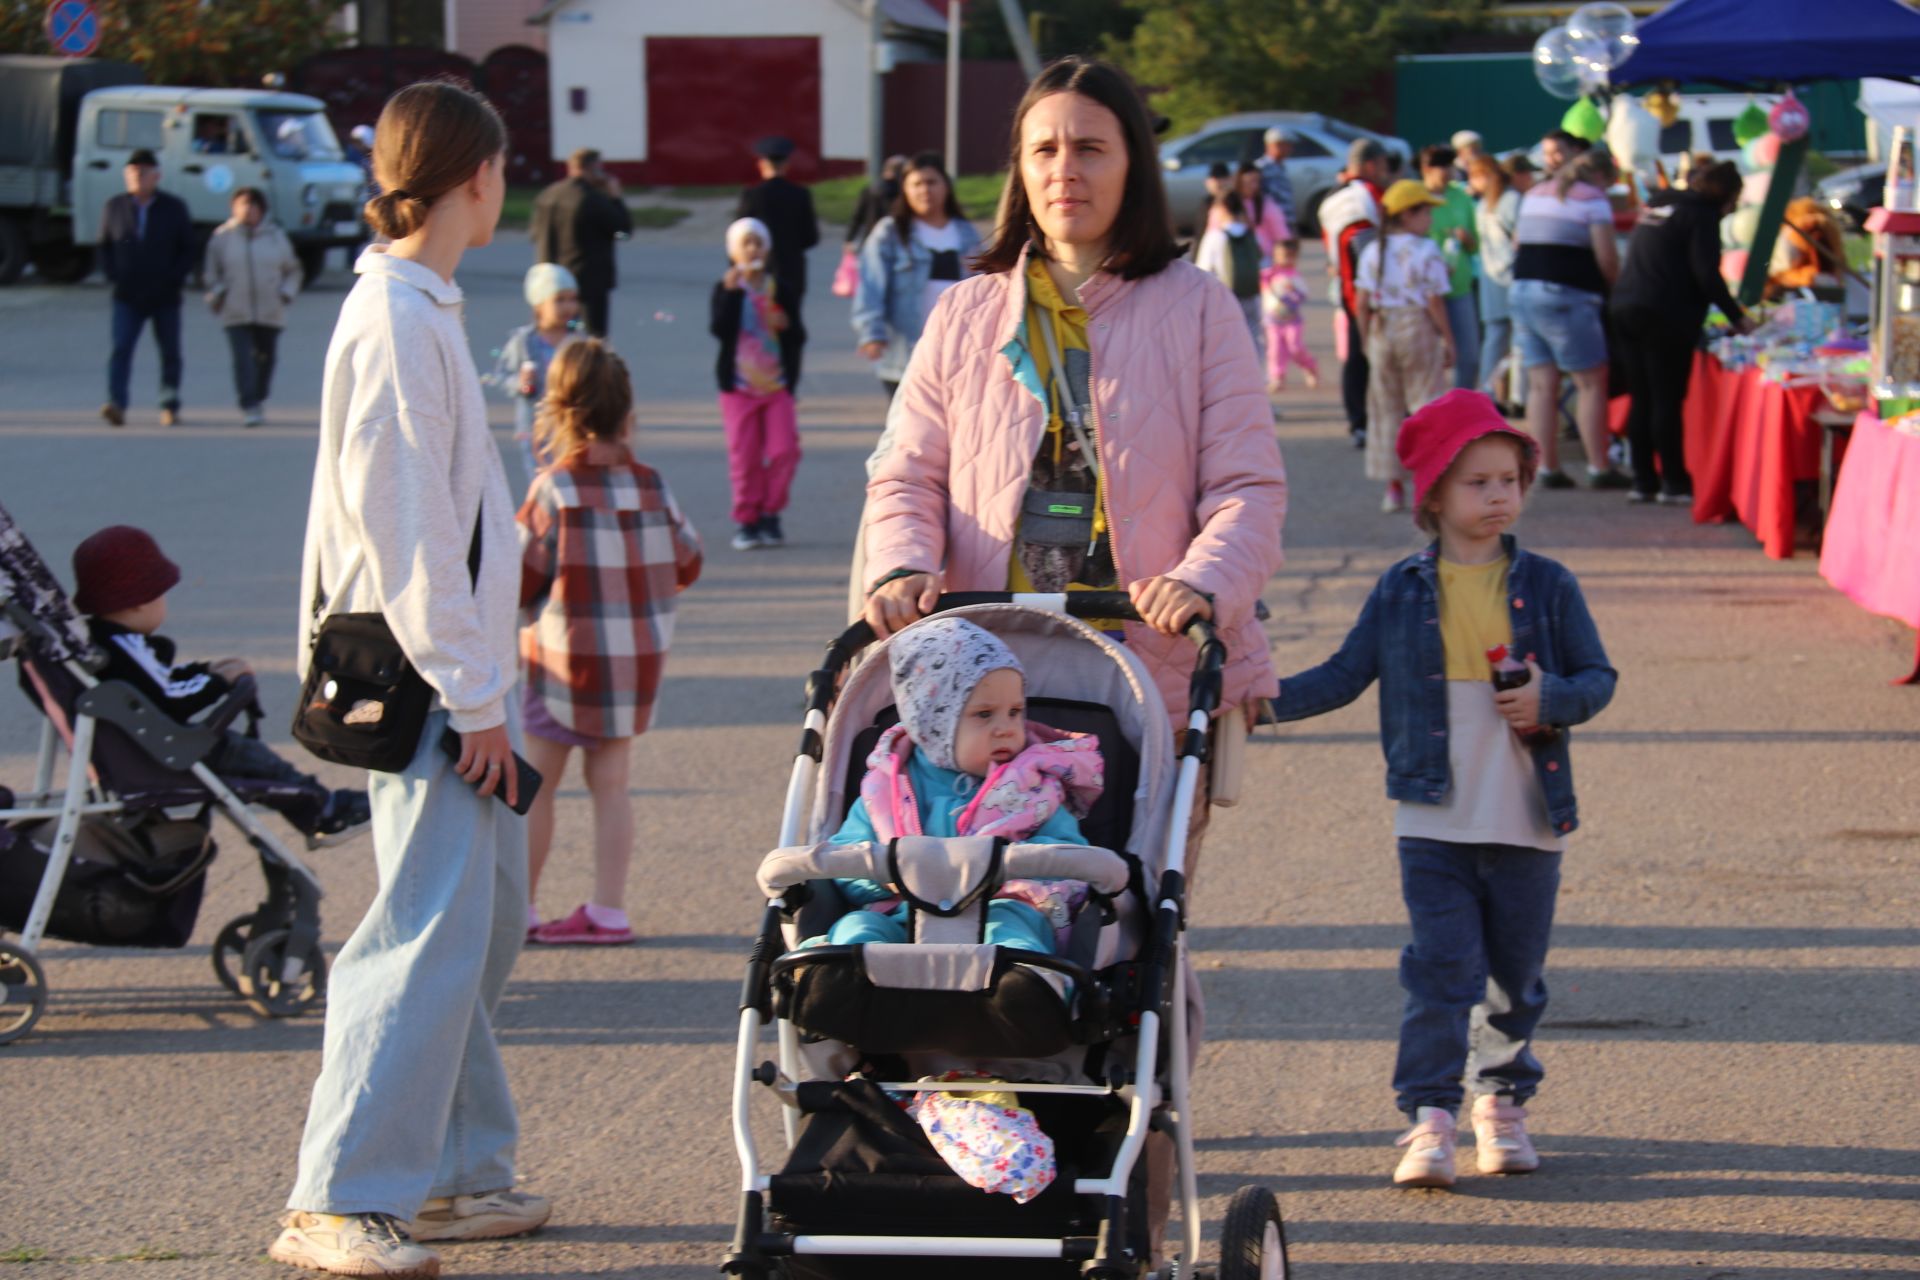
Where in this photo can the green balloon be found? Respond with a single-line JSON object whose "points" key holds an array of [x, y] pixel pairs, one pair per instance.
{"points": [[1749, 124], [1583, 120]]}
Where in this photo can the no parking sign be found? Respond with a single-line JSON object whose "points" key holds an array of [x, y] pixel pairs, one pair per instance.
{"points": [[73, 27]]}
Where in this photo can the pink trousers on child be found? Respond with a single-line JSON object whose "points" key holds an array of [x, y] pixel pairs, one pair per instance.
{"points": [[763, 451], [1287, 341]]}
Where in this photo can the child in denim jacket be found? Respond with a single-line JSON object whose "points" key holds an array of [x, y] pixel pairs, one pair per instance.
{"points": [[1483, 815]]}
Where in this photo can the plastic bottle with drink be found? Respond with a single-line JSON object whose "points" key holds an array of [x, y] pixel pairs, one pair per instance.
{"points": [[1511, 673]]}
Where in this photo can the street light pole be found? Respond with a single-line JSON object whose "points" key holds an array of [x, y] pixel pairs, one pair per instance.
{"points": [[953, 86]]}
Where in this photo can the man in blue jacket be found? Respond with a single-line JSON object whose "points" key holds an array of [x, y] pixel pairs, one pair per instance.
{"points": [[147, 250]]}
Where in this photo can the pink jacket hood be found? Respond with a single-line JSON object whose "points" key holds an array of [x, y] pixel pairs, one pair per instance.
{"points": [[1056, 768], [1195, 485]]}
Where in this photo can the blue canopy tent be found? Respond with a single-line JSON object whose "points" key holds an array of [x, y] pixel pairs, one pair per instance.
{"points": [[1763, 44]]}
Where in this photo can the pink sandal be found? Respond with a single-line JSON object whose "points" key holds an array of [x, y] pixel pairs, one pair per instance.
{"points": [[579, 929]]}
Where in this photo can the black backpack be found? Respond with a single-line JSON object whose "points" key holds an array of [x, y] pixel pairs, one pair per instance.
{"points": [[1243, 261]]}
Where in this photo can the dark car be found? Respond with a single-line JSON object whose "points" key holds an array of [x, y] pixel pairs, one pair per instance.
{"points": [[1853, 193]]}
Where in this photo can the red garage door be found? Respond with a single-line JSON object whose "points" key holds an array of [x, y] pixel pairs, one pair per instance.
{"points": [[708, 100]]}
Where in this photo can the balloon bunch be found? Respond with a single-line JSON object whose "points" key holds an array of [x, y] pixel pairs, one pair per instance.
{"points": [[1578, 60]]}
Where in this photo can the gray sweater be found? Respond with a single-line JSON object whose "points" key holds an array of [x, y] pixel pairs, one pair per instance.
{"points": [[406, 464]]}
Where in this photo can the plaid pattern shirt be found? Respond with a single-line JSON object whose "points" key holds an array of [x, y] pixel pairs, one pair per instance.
{"points": [[604, 551]]}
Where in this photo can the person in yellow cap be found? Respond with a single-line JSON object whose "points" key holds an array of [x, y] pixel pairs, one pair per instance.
{"points": [[1401, 285]]}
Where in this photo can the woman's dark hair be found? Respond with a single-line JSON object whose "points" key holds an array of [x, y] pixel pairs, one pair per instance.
{"points": [[253, 196], [902, 211], [431, 138], [1259, 208], [1141, 242], [1719, 182], [1234, 203], [1438, 156]]}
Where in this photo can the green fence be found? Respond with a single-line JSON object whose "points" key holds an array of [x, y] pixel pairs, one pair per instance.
{"points": [[1496, 94]]}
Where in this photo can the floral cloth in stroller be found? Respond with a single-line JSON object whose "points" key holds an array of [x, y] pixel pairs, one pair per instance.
{"points": [[118, 854], [1095, 1041]]}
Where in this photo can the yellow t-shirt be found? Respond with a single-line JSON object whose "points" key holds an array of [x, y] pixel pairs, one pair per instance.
{"points": [[1473, 616], [1047, 306]]}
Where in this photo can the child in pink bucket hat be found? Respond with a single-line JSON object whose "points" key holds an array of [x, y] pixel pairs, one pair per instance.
{"points": [[1483, 813]]}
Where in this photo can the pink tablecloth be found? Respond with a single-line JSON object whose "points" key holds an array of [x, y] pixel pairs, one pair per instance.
{"points": [[1871, 550]]}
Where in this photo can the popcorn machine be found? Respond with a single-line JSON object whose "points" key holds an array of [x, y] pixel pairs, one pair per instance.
{"points": [[1896, 279]]}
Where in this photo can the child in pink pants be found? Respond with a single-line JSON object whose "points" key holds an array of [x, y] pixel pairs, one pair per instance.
{"points": [[1282, 296], [756, 373]]}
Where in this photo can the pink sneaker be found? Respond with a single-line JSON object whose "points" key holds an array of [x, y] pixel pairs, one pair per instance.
{"points": [[1430, 1146], [1500, 1135], [578, 930]]}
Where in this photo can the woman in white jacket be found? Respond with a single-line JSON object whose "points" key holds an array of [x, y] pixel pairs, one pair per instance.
{"points": [[411, 1133], [252, 274]]}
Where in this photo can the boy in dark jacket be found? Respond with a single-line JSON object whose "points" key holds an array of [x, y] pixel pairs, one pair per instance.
{"points": [[1482, 773], [121, 580]]}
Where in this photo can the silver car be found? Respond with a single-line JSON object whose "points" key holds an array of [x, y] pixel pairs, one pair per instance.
{"points": [[1319, 153]]}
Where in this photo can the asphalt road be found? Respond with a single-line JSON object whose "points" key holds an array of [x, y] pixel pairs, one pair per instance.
{"points": [[1732, 1043]]}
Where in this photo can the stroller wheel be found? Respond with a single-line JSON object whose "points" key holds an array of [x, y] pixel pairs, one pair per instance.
{"points": [[1253, 1243], [229, 951], [23, 991], [277, 985]]}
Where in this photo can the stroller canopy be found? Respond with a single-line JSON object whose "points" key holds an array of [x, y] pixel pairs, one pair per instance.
{"points": [[33, 603]]}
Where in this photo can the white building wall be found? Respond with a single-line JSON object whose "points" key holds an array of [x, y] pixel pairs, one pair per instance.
{"points": [[601, 45]]}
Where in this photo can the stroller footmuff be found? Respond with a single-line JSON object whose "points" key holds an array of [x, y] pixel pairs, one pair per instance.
{"points": [[134, 880]]}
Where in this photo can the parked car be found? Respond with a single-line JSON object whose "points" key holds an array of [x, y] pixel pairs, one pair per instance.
{"points": [[1319, 153], [1854, 193]]}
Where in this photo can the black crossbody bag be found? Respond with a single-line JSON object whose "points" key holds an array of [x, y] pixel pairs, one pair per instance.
{"points": [[363, 704]]}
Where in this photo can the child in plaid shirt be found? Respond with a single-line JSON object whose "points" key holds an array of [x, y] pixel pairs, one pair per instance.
{"points": [[605, 551]]}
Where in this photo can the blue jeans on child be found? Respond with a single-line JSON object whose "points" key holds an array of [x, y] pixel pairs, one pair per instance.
{"points": [[1009, 924], [1481, 918], [412, 1099]]}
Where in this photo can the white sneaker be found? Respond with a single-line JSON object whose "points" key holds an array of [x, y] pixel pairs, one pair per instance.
{"points": [[353, 1244], [1395, 498], [1430, 1145], [1500, 1135], [491, 1215]]}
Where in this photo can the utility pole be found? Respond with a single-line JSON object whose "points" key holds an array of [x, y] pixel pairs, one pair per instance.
{"points": [[954, 23], [876, 92], [1022, 38]]}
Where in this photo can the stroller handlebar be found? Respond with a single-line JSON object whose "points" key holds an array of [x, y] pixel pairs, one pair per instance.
{"points": [[1203, 692]]}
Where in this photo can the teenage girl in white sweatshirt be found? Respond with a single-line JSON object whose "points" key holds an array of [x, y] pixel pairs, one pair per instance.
{"points": [[411, 1133]]}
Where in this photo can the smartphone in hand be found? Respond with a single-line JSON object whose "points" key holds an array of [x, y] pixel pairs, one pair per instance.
{"points": [[529, 776]]}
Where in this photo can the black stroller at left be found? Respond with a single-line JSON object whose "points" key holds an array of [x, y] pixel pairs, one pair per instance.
{"points": [[116, 853]]}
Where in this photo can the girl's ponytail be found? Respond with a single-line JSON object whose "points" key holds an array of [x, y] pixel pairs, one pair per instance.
{"points": [[432, 137]]}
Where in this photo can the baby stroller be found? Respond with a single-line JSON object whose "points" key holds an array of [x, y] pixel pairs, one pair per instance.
{"points": [[118, 856], [1094, 1041]]}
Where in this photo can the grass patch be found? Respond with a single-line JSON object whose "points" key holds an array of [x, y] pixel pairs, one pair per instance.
{"points": [[657, 216], [23, 1254], [517, 209], [147, 1253], [1860, 253], [834, 198]]}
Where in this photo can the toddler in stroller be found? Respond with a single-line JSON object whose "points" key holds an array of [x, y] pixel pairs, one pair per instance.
{"points": [[965, 761], [120, 581], [1080, 1036], [117, 854]]}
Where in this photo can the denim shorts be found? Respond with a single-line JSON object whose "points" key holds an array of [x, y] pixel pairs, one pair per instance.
{"points": [[1557, 324]]}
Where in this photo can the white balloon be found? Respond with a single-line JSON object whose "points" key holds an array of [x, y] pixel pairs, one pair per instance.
{"points": [[1556, 67], [1602, 35]]}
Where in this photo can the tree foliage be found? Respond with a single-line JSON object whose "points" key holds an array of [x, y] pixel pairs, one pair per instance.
{"points": [[1206, 58], [190, 42], [1058, 27]]}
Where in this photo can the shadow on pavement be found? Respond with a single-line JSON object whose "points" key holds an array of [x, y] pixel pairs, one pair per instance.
{"points": [[1609, 936]]}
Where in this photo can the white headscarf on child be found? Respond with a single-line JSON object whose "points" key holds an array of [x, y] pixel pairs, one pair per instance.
{"points": [[744, 227], [936, 665], [544, 279]]}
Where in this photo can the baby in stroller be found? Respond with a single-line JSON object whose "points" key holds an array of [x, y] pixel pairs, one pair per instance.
{"points": [[121, 580], [965, 761]]}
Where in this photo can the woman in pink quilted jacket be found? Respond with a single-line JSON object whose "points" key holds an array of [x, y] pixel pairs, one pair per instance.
{"points": [[1088, 413]]}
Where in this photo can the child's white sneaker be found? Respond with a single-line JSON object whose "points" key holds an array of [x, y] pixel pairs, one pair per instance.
{"points": [[1430, 1146], [1500, 1135]]}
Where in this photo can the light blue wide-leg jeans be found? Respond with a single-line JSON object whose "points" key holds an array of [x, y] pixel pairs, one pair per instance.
{"points": [[412, 1099]]}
